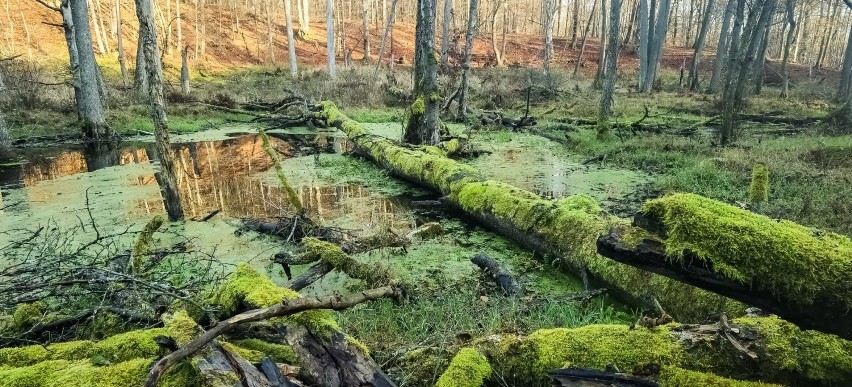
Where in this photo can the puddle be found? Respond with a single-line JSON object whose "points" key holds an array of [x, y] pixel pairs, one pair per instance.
{"points": [[539, 165]]}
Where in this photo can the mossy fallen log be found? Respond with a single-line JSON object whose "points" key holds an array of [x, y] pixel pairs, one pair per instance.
{"points": [[798, 273], [784, 353], [564, 229]]}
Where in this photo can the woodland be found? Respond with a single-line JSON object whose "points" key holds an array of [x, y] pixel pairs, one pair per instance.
{"points": [[425, 193]]}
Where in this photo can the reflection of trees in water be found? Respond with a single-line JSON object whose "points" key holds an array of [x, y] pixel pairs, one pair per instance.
{"points": [[356, 204]]}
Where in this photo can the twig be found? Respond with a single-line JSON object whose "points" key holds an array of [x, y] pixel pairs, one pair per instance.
{"points": [[285, 308]]}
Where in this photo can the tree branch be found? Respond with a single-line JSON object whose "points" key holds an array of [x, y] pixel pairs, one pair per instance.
{"points": [[285, 308]]}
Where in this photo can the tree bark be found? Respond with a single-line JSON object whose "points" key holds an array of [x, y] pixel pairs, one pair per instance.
{"points": [[167, 176], [445, 32], [365, 26], [92, 109], [601, 69], [120, 44], [291, 42], [388, 27], [609, 73], [423, 126], [504, 280], [468, 50], [184, 71], [585, 37], [5, 141], [329, 26], [699, 45], [550, 8], [140, 77], [73, 55]]}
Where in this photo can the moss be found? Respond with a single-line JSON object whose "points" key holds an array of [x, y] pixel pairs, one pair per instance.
{"points": [[181, 327], [332, 254], [744, 246], [144, 239], [814, 355], [678, 377], [62, 373], [758, 191], [248, 354], [467, 369], [27, 315], [418, 106], [247, 287], [279, 352], [130, 345]]}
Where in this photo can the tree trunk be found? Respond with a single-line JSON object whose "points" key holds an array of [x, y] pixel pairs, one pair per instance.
{"points": [[609, 73], [120, 44], [722, 46], [73, 55], [575, 24], [579, 61], [498, 53], [291, 42], [656, 41], [140, 77], [550, 8], [388, 27], [167, 176], [759, 66], [699, 46], [468, 51], [184, 71], [563, 232], [600, 72], [445, 32], [329, 26], [365, 26], [644, 33], [91, 104], [423, 126], [5, 141]]}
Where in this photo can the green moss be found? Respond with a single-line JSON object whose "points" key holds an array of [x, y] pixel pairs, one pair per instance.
{"points": [[130, 345], [592, 346], [758, 191], [418, 106], [467, 369], [63, 373], [181, 327], [248, 354], [814, 355], [330, 253], [678, 377], [27, 315], [744, 246], [279, 352], [246, 287], [143, 241]]}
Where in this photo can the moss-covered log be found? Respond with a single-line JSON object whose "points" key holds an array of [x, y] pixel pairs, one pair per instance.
{"points": [[783, 353], [799, 273], [565, 229]]}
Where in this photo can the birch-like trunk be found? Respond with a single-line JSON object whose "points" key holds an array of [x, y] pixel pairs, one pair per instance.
{"points": [[91, 105], [445, 32], [122, 63], [644, 33], [599, 73], [468, 49], [329, 26], [550, 8], [73, 56], [167, 176], [699, 45], [609, 74], [365, 26], [184, 71], [291, 42], [789, 11], [390, 22]]}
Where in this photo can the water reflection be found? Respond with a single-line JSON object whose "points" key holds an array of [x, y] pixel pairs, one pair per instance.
{"points": [[212, 175]]}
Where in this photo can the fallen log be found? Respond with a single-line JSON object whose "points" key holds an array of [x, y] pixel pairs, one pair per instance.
{"points": [[568, 377], [798, 273], [504, 280], [784, 353], [248, 288], [564, 229]]}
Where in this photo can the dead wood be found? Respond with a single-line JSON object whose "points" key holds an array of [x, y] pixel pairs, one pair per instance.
{"points": [[285, 308], [589, 378], [507, 283]]}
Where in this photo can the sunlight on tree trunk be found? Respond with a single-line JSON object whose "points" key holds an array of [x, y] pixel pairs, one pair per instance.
{"points": [[91, 104], [291, 42], [329, 26]]}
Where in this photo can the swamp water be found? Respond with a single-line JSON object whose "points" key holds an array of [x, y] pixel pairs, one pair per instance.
{"points": [[226, 169]]}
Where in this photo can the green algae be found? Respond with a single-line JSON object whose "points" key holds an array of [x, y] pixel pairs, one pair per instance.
{"points": [[744, 246], [467, 369]]}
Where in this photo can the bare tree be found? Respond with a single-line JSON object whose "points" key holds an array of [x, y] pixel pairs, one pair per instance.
{"points": [[468, 49], [654, 36], [329, 26], [498, 53], [291, 42], [699, 45], [725, 38], [388, 26], [550, 8], [91, 106], [579, 61], [120, 43], [423, 126], [184, 71], [445, 32], [609, 73], [167, 176], [845, 89], [789, 12], [365, 26]]}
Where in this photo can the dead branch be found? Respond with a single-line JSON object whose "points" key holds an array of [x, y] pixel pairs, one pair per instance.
{"points": [[285, 308]]}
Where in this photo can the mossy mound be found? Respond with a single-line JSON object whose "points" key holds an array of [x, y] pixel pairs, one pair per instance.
{"points": [[467, 369], [792, 261], [278, 352], [246, 288], [63, 373]]}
